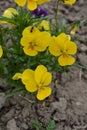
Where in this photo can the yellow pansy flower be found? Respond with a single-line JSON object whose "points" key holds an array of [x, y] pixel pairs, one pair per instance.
{"points": [[62, 46], [44, 25], [34, 41], [1, 51], [74, 30], [8, 13], [31, 4], [37, 80], [70, 2]]}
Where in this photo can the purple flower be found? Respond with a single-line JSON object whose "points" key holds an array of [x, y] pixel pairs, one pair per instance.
{"points": [[40, 12]]}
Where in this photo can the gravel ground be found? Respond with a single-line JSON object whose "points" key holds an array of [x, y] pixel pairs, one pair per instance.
{"points": [[67, 106]]}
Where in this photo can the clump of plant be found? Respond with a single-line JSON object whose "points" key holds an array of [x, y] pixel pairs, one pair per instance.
{"points": [[50, 126], [32, 47]]}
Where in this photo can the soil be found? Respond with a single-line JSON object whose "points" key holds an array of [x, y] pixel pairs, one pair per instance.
{"points": [[67, 105]]}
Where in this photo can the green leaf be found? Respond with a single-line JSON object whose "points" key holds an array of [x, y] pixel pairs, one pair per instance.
{"points": [[35, 124], [51, 125]]}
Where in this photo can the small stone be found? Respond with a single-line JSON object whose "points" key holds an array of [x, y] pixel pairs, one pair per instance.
{"points": [[83, 48], [78, 103], [11, 125], [61, 105], [65, 77], [69, 76], [2, 100], [76, 8], [8, 116], [24, 125], [81, 2], [25, 112], [83, 59], [58, 116]]}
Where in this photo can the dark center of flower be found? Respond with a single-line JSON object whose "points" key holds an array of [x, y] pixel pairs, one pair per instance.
{"points": [[64, 52], [40, 85], [32, 45]]}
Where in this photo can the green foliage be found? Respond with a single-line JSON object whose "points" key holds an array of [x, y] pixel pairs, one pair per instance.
{"points": [[51, 125], [14, 59], [35, 124]]}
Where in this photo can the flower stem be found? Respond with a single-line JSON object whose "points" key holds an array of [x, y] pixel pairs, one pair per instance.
{"points": [[56, 18]]}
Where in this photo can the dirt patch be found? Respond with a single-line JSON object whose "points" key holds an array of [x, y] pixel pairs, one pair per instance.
{"points": [[67, 106]]}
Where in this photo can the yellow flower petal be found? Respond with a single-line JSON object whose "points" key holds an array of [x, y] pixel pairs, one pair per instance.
{"points": [[57, 44], [66, 60], [70, 2], [54, 48], [29, 35], [46, 79], [42, 1], [63, 37], [26, 31], [29, 81], [26, 40], [44, 25], [71, 48], [33, 41], [27, 74], [31, 87], [17, 76], [30, 30], [39, 73], [28, 50], [32, 5], [1, 51], [20, 2], [74, 30], [9, 12], [62, 40], [44, 93], [42, 43]]}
